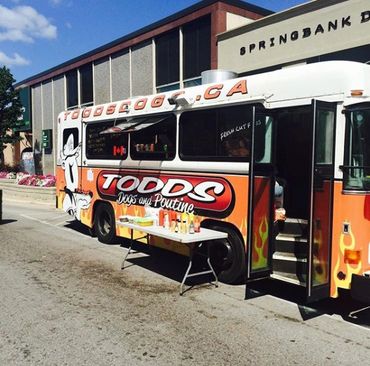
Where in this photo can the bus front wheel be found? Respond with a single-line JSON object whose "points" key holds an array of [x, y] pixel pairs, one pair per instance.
{"points": [[104, 223], [228, 256]]}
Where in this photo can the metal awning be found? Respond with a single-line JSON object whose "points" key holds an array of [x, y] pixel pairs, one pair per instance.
{"points": [[133, 124]]}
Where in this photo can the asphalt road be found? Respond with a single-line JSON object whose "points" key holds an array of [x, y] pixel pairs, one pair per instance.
{"points": [[65, 301]]}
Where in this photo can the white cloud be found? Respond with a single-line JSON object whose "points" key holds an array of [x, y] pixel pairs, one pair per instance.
{"points": [[16, 60], [24, 23], [55, 2]]}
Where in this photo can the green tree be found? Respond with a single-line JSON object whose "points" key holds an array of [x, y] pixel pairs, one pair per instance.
{"points": [[10, 110]]}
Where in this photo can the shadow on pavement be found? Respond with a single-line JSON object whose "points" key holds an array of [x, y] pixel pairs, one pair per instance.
{"points": [[157, 260], [173, 266], [7, 221], [343, 306], [77, 226], [165, 263]]}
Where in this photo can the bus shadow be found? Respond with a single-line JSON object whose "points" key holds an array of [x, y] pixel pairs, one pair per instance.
{"points": [[85, 230], [173, 266], [165, 263], [343, 306], [157, 260], [7, 221], [77, 226]]}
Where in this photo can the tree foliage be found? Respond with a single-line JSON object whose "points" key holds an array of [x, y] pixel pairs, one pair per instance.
{"points": [[10, 108]]}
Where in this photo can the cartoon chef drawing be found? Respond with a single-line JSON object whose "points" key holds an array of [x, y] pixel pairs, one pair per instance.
{"points": [[73, 201]]}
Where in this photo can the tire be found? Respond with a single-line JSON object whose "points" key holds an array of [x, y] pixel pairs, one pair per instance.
{"points": [[92, 231], [228, 256], [105, 223]]}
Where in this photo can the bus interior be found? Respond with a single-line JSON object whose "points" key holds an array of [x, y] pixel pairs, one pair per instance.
{"points": [[293, 167]]}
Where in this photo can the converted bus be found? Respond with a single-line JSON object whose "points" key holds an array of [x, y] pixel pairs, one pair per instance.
{"points": [[216, 150]]}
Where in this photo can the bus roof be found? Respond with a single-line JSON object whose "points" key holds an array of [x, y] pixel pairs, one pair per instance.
{"points": [[295, 85]]}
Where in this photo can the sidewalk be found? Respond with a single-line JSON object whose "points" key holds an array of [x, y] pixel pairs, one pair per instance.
{"points": [[27, 194]]}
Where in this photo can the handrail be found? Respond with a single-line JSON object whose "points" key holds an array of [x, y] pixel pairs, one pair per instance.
{"points": [[341, 167]]}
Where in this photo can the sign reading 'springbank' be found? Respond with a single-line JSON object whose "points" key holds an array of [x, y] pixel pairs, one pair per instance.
{"points": [[213, 196]]}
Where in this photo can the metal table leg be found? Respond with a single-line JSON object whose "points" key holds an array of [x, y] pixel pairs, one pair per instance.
{"points": [[192, 248], [188, 269], [210, 266], [129, 249]]}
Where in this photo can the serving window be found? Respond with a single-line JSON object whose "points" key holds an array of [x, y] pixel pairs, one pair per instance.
{"points": [[154, 138], [110, 146], [220, 134]]}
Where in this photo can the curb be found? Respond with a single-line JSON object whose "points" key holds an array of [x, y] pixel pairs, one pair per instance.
{"points": [[15, 192]]}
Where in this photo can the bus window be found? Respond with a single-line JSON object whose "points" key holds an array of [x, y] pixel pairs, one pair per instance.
{"points": [[324, 133], [220, 134], [155, 142], [357, 169], [110, 146], [263, 139], [70, 135]]}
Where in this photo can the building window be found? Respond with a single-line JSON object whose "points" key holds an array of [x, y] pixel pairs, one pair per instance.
{"points": [[196, 49], [72, 89], [110, 146], [195, 54], [168, 60], [86, 85]]}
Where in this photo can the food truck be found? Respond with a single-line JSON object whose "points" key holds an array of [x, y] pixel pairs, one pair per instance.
{"points": [[212, 154]]}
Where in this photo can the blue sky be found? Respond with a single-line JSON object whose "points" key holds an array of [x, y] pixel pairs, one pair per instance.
{"points": [[36, 35]]}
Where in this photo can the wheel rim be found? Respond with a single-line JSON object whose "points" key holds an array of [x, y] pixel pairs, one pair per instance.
{"points": [[104, 223], [222, 255]]}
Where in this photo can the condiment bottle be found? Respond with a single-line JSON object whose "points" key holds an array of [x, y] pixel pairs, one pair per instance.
{"points": [[184, 223], [166, 221], [161, 217], [196, 224], [191, 227]]}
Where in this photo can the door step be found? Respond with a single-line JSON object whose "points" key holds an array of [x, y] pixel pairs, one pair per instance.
{"points": [[290, 256], [288, 277], [291, 243], [289, 263], [294, 226]]}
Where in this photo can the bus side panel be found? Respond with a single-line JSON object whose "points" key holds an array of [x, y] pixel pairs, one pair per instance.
{"points": [[60, 184], [351, 232], [237, 217]]}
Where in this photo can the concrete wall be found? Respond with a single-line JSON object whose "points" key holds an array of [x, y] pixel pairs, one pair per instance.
{"points": [[235, 21], [313, 29], [59, 103], [121, 75], [47, 119], [102, 81], [37, 124], [142, 69]]}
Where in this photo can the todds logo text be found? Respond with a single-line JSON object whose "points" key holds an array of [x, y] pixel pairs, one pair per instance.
{"points": [[175, 192]]}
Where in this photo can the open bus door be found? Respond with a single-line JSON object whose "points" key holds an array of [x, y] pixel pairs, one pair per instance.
{"points": [[321, 196], [260, 200]]}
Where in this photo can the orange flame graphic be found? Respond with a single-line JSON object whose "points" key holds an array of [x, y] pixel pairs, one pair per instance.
{"points": [[320, 263], [349, 270], [259, 243]]}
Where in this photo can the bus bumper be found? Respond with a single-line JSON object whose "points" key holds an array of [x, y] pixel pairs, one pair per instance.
{"points": [[360, 288]]}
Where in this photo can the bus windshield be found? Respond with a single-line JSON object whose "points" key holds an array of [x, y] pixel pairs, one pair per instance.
{"points": [[357, 172]]}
